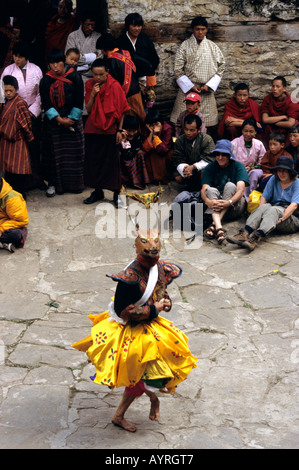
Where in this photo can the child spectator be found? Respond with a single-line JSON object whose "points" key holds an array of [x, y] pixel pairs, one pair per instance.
{"points": [[276, 150], [13, 218], [250, 152], [158, 146], [15, 133], [72, 57], [293, 148], [132, 157], [192, 107]]}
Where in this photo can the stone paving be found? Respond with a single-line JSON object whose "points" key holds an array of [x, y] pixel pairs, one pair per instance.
{"points": [[239, 310]]}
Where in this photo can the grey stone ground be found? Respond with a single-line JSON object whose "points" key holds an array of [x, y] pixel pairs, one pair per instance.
{"points": [[239, 310]]}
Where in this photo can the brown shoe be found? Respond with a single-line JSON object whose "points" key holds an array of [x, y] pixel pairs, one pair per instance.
{"points": [[239, 238], [252, 242]]}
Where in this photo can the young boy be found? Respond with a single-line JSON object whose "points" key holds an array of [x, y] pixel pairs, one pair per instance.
{"points": [[276, 150], [132, 157], [192, 107], [13, 218], [293, 148], [158, 146], [15, 133], [239, 108]]}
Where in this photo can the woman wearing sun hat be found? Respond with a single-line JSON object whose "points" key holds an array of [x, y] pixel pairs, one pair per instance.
{"points": [[278, 207]]}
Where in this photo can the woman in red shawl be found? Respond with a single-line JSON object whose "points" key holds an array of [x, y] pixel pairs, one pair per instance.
{"points": [[106, 104], [277, 109], [239, 108]]}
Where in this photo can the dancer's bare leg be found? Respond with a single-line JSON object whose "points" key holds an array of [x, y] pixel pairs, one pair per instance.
{"points": [[155, 406], [118, 418]]}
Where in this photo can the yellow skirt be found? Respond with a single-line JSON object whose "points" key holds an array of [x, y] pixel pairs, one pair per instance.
{"points": [[125, 354]]}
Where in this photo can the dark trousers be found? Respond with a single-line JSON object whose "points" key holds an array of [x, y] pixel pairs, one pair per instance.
{"points": [[13, 236]]}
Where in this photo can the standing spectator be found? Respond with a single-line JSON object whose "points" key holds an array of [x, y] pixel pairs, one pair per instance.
{"points": [[15, 132], [199, 66], [29, 76], [106, 104], [84, 39], [143, 53], [122, 68], [59, 27], [8, 37], [32, 17], [63, 139]]}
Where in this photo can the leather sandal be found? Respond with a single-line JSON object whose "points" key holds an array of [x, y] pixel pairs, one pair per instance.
{"points": [[212, 230], [221, 235]]}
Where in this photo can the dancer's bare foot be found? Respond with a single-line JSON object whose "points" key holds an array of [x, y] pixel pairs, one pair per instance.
{"points": [[155, 408], [124, 424]]}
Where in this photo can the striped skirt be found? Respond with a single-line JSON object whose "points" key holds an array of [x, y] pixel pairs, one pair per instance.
{"points": [[63, 156]]}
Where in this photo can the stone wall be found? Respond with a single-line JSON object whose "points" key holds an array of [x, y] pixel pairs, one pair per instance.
{"points": [[259, 40]]}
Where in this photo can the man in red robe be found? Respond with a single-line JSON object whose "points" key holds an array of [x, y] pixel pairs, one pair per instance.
{"points": [[236, 110], [277, 110], [106, 104]]}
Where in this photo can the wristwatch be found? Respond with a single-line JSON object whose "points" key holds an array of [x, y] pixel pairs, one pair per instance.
{"points": [[231, 202]]}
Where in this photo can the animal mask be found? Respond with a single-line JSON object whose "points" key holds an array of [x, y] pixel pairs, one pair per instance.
{"points": [[148, 244]]}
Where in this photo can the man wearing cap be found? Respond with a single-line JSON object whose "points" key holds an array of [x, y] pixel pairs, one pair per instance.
{"points": [[278, 207], [192, 107], [199, 66], [223, 185]]}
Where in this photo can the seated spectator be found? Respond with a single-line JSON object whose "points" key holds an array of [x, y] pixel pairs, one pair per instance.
{"points": [[277, 110], [29, 76], [293, 148], [249, 151], [132, 156], [15, 133], [84, 39], [192, 152], [158, 146], [122, 68], [13, 218], [278, 208], [143, 54], [223, 185], [236, 110], [59, 27], [276, 150], [192, 107]]}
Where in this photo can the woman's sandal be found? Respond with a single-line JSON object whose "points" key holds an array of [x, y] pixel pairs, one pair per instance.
{"points": [[212, 230], [221, 235]]}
